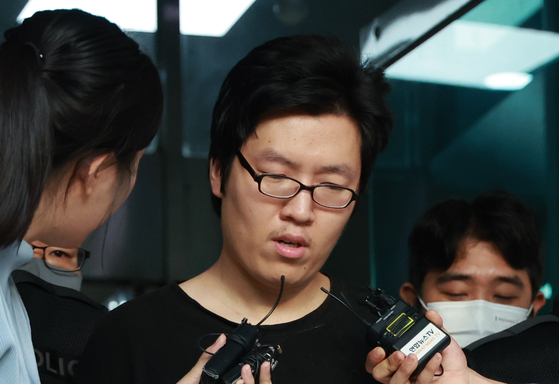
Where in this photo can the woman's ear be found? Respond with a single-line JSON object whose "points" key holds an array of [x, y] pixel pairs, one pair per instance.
{"points": [[215, 178], [89, 172]]}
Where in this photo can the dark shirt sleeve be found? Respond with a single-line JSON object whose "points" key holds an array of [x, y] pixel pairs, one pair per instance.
{"points": [[144, 341]]}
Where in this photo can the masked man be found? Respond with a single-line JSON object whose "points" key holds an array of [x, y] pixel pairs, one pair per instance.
{"points": [[479, 265], [61, 317]]}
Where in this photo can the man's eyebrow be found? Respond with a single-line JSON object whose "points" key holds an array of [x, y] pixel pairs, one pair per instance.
{"points": [[514, 280], [448, 276], [273, 156], [341, 169]]}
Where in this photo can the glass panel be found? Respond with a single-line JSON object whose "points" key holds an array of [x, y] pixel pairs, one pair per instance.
{"points": [[470, 106]]}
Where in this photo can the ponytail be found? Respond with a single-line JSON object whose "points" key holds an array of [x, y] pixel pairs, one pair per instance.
{"points": [[72, 86], [25, 139]]}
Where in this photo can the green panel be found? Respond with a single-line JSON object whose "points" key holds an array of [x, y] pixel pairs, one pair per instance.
{"points": [[513, 13]]}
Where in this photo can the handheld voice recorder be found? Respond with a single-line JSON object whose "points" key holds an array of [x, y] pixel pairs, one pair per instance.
{"points": [[243, 347], [399, 327]]}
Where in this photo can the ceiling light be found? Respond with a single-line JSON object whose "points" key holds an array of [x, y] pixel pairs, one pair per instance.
{"points": [[484, 42], [130, 15], [507, 12], [510, 81], [197, 17], [465, 53], [210, 17]]}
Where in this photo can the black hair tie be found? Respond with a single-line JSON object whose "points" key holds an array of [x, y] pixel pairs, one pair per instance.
{"points": [[39, 54]]}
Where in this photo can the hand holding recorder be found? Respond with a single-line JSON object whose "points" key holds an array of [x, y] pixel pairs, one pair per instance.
{"points": [[400, 369], [401, 328]]}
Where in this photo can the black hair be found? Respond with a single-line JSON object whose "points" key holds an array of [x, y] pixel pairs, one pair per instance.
{"points": [[306, 73], [495, 217], [72, 86]]}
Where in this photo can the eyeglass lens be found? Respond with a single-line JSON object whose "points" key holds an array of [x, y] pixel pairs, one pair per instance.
{"points": [[327, 195], [64, 259]]}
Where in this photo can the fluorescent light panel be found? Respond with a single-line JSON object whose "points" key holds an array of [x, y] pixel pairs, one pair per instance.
{"points": [[511, 81], [465, 53], [130, 15], [504, 12], [473, 51], [211, 17], [197, 17]]}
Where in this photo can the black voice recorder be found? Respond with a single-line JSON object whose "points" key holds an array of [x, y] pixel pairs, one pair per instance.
{"points": [[242, 347], [399, 327]]}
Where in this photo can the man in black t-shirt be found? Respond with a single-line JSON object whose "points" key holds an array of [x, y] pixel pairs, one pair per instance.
{"points": [[296, 129]]}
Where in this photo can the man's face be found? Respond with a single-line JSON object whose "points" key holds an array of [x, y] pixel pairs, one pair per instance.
{"points": [[266, 237], [479, 273]]}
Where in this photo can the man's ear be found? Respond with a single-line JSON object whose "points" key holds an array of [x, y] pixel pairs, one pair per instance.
{"points": [[408, 293], [215, 178], [539, 302]]}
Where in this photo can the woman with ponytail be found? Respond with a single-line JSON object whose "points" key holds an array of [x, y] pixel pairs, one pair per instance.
{"points": [[79, 103]]}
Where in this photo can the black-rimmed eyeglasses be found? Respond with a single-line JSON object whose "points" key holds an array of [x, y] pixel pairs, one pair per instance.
{"points": [[283, 187], [62, 259]]}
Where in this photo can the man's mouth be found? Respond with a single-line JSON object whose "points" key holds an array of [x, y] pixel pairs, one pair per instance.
{"points": [[290, 244]]}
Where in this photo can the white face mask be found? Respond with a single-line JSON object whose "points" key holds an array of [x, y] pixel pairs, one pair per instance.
{"points": [[68, 279], [469, 321]]}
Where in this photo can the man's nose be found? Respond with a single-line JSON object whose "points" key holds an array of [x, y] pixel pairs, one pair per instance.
{"points": [[299, 208]]}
